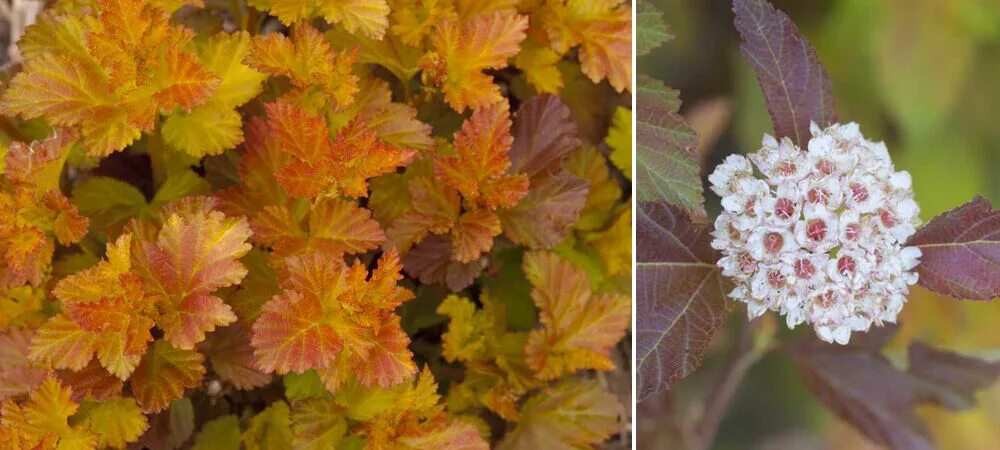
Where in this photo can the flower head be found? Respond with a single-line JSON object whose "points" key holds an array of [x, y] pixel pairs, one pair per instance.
{"points": [[820, 238]]}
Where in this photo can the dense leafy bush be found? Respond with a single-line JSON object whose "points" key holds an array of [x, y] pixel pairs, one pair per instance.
{"points": [[335, 224]]}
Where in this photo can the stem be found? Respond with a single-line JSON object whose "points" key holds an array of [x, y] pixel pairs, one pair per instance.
{"points": [[743, 357]]}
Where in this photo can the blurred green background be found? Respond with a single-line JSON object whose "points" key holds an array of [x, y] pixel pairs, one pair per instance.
{"points": [[921, 75]]}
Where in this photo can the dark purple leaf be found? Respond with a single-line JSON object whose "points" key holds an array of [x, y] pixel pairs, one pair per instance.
{"points": [[961, 252], [796, 87], [867, 391], [680, 295]]}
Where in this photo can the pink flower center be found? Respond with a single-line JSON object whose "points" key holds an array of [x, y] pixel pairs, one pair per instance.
{"points": [[804, 269], [748, 207], [784, 208], [827, 299], [859, 192], [816, 229], [775, 279], [846, 265], [818, 196], [773, 242], [887, 218], [852, 232], [786, 168], [825, 166]]}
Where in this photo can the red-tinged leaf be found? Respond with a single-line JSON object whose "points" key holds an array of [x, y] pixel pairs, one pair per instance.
{"points": [[27, 162], [196, 252], [795, 84], [473, 234], [680, 295], [186, 322], [93, 382], [61, 343], [430, 262], [456, 435], [68, 225], [544, 135], [666, 165], [163, 374], [188, 83], [64, 90], [543, 217], [18, 374], [864, 389], [462, 52], [579, 327], [231, 356], [478, 170], [961, 252], [298, 133], [340, 226], [570, 415], [292, 335], [389, 361]]}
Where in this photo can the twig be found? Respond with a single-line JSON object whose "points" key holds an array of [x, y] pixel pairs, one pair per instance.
{"points": [[743, 357]]}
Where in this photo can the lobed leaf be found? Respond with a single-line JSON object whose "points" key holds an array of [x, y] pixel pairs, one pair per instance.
{"points": [[163, 374], [572, 414], [579, 327]]}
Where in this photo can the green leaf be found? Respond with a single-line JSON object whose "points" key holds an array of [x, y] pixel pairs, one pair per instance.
{"points": [[179, 185], [300, 386], [222, 433], [650, 30], [107, 201], [206, 130], [271, 429], [510, 287], [666, 164]]}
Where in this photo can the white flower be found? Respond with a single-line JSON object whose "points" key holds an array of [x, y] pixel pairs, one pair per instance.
{"points": [[820, 238]]}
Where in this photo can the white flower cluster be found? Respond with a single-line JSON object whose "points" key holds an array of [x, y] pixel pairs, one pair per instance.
{"points": [[820, 239]]}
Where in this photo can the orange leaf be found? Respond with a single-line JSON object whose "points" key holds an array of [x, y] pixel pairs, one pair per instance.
{"points": [[473, 234], [291, 335], [463, 51], [307, 60], [478, 171], [579, 327], [163, 374], [187, 84], [61, 343], [195, 253]]}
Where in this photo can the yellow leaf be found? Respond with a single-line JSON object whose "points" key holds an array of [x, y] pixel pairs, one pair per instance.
{"points": [[539, 66], [116, 422], [620, 140], [223, 55], [209, 129]]}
